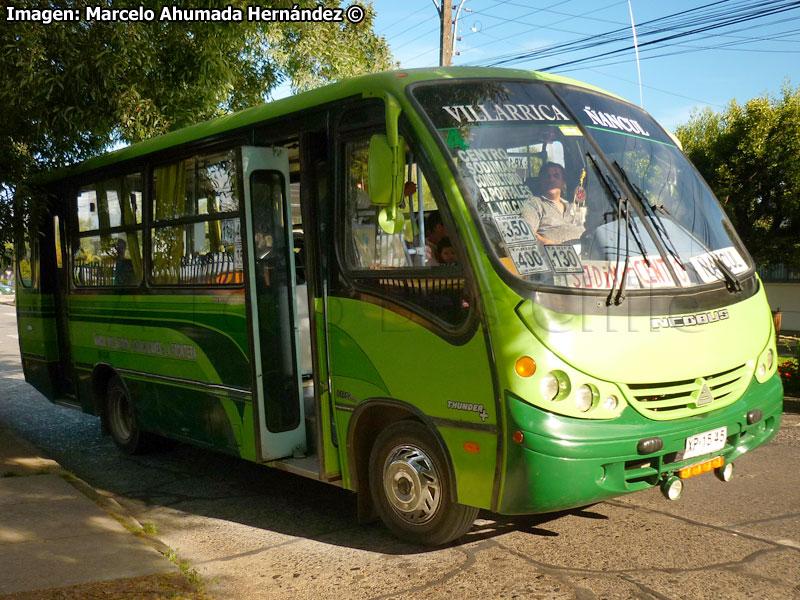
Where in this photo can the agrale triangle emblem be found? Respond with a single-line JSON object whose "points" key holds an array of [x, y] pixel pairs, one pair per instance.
{"points": [[703, 394]]}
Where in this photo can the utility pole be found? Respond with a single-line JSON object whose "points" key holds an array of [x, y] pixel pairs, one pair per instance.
{"points": [[446, 39], [449, 26]]}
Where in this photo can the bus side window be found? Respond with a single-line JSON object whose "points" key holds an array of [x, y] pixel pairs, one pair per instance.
{"points": [[417, 266], [27, 260], [196, 231], [108, 243], [369, 247]]}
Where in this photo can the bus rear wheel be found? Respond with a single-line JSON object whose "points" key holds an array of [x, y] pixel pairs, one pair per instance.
{"points": [[411, 487], [122, 422]]}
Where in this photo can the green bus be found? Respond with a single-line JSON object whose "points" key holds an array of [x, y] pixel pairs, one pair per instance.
{"points": [[444, 289]]}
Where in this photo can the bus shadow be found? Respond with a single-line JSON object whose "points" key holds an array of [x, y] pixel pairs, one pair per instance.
{"points": [[490, 525], [192, 481], [219, 487]]}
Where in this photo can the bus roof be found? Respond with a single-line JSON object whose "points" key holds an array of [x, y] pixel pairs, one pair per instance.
{"points": [[391, 81]]}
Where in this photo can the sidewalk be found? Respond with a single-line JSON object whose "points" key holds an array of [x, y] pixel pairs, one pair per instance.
{"points": [[54, 533]]}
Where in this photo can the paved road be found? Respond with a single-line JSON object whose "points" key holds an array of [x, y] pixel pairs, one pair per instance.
{"points": [[259, 533]]}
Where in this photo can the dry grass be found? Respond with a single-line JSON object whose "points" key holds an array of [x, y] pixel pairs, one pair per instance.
{"points": [[151, 587]]}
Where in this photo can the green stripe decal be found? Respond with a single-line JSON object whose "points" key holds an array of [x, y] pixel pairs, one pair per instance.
{"points": [[131, 336]]}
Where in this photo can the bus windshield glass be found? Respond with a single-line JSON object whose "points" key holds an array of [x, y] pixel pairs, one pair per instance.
{"points": [[555, 211]]}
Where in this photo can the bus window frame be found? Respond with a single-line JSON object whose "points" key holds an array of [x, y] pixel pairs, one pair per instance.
{"points": [[232, 144], [73, 233], [457, 333], [569, 300], [31, 236]]}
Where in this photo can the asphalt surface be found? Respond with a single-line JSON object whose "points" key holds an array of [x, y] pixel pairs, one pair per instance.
{"points": [[253, 532]]}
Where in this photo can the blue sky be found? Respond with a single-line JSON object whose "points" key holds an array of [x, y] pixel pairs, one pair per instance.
{"points": [[758, 55]]}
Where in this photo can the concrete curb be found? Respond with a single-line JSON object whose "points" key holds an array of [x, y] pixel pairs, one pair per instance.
{"points": [[103, 499], [114, 508], [791, 404]]}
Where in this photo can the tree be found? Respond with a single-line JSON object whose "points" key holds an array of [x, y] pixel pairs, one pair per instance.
{"points": [[72, 89], [750, 156]]}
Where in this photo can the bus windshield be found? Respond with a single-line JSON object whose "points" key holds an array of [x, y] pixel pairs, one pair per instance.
{"points": [[552, 205]]}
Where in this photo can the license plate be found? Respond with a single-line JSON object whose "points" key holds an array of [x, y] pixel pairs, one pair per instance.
{"points": [[703, 443]]}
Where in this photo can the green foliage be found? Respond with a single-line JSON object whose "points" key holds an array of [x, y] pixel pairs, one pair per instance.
{"points": [[790, 375], [72, 89], [750, 156]]}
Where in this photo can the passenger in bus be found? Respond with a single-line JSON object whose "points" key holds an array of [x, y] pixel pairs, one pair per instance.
{"points": [[548, 214], [445, 253], [434, 233], [123, 267]]}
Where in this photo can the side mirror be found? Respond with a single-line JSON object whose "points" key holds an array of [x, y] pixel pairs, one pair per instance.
{"points": [[385, 171], [385, 177], [380, 171], [391, 219]]}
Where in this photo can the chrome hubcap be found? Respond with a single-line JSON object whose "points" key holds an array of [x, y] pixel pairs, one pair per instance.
{"points": [[412, 484], [121, 417]]}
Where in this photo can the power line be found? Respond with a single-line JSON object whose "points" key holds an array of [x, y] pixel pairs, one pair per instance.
{"points": [[429, 50], [619, 34], [687, 23], [402, 20], [650, 87], [534, 27], [418, 25], [662, 40], [429, 32], [724, 46], [689, 50]]}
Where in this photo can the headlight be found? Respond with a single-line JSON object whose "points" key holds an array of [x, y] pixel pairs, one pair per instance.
{"points": [[611, 403], [766, 364], [555, 385], [584, 398], [549, 387]]}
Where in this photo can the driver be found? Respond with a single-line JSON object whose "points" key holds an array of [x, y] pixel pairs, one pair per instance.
{"points": [[548, 214]]}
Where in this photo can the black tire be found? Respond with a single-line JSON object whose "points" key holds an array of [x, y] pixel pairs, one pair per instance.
{"points": [[122, 422], [410, 485]]}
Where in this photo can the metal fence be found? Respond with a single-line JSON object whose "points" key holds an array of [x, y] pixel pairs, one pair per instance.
{"points": [[779, 272]]}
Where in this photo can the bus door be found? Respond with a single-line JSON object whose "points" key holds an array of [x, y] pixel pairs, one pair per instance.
{"points": [[278, 391], [65, 384]]}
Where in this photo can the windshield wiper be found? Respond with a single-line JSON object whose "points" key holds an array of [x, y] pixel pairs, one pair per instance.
{"points": [[732, 282], [631, 230], [658, 224]]}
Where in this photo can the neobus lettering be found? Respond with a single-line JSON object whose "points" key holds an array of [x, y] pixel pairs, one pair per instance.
{"points": [[689, 320]]}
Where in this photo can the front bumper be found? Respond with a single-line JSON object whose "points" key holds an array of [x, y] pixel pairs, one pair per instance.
{"points": [[564, 462]]}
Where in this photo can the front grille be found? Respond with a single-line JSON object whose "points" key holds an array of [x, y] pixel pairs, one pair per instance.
{"points": [[675, 399]]}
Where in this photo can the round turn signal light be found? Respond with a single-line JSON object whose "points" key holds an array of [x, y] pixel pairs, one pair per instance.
{"points": [[525, 366]]}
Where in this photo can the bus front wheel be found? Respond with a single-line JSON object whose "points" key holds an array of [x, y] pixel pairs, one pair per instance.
{"points": [[411, 487], [121, 421]]}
